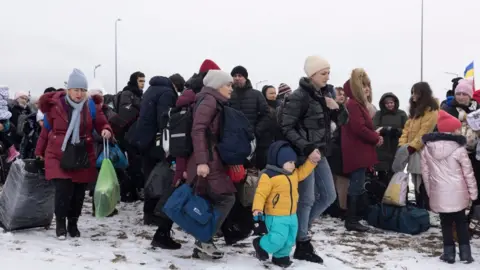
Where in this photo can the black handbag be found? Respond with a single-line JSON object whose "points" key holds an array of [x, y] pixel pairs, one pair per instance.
{"points": [[75, 156]]}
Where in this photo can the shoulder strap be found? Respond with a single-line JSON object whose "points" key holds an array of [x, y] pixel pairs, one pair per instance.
{"points": [[91, 107], [45, 122]]}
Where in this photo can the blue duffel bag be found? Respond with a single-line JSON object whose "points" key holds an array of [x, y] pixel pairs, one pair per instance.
{"points": [[194, 214], [403, 219]]}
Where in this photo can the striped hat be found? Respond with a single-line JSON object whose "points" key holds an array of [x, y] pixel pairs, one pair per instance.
{"points": [[284, 89]]}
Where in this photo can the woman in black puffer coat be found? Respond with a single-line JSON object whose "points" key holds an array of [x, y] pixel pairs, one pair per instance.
{"points": [[390, 120]]}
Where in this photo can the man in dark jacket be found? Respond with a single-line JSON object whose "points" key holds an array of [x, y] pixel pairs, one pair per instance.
{"points": [[306, 122], [126, 105], [248, 100], [390, 120], [127, 102], [146, 138], [252, 103]]}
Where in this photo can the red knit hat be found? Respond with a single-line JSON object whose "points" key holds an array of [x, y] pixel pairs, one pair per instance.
{"points": [[447, 123], [208, 65]]}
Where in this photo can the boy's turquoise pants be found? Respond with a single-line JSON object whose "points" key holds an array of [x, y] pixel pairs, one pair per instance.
{"points": [[282, 233]]}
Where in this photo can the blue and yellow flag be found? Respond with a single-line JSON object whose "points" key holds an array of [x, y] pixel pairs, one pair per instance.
{"points": [[469, 71]]}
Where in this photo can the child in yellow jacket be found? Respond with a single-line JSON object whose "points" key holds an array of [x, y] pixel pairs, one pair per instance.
{"points": [[277, 197]]}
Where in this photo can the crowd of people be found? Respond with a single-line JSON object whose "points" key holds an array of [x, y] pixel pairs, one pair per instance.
{"points": [[314, 149]]}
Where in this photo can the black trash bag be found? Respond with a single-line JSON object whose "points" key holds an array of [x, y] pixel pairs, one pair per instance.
{"points": [[159, 181], [27, 199]]}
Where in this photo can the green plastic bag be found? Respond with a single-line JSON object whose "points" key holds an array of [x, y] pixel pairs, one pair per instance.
{"points": [[107, 190]]}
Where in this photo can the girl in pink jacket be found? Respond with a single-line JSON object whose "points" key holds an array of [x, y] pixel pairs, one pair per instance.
{"points": [[450, 183]]}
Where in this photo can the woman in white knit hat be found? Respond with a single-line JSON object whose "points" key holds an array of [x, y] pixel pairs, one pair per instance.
{"points": [[306, 123], [205, 164]]}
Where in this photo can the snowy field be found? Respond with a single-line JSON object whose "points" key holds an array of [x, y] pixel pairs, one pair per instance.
{"points": [[122, 242]]}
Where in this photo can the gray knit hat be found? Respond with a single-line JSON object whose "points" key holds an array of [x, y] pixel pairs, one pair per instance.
{"points": [[77, 80], [217, 78]]}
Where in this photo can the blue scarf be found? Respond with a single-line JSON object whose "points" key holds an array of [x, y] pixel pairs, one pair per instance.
{"points": [[74, 125]]}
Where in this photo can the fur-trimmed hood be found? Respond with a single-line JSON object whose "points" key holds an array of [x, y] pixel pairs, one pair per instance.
{"points": [[353, 88], [442, 145], [47, 101]]}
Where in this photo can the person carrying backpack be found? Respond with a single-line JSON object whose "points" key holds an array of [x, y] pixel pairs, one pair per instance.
{"points": [[66, 145], [206, 170]]}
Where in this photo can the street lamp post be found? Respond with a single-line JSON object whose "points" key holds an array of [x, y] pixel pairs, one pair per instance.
{"points": [[116, 55], [452, 73], [260, 82], [421, 46], [95, 69]]}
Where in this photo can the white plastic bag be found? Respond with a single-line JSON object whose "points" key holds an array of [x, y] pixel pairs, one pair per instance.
{"points": [[396, 193], [473, 120]]}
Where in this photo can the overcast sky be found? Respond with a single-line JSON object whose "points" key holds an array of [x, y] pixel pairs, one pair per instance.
{"points": [[42, 41]]}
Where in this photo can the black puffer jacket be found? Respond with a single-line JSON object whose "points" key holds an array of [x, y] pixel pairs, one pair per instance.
{"points": [[253, 104], [392, 123], [157, 101], [306, 120], [129, 98]]}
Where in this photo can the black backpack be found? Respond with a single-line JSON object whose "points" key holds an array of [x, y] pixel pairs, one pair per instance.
{"points": [[179, 129]]}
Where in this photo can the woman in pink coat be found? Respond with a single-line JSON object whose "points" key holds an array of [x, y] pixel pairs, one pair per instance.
{"points": [[450, 183]]}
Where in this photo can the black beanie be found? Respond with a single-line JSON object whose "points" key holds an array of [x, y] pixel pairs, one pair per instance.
{"points": [[178, 81], [239, 70], [49, 89]]}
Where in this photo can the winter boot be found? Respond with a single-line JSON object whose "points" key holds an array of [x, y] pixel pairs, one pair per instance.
{"points": [[305, 252], [448, 255], [207, 251], [163, 239], [73, 228], [61, 229], [352, 220], [12, 154], [283, 262], [260, 253], [234, 234], [465, 253]]}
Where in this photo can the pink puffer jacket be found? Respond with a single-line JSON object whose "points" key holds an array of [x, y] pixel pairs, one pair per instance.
{"points": [[447, 172]]}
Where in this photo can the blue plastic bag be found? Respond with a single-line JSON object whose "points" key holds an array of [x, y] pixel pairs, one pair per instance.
{"points": [[116, 156]]}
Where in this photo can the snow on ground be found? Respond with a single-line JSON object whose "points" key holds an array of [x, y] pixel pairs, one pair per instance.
{"points": [[123, 242]]}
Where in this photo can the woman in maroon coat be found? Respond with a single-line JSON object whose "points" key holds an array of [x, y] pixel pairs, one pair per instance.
{"points": [[359, 139], [205, 169], [70, 122]]}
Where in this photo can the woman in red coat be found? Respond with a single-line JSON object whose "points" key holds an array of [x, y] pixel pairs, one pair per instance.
{"points": [[359, 139], [68, 122]]}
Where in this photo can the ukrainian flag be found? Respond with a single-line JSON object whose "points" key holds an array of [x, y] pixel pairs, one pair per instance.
{"points": [[469, 71]]}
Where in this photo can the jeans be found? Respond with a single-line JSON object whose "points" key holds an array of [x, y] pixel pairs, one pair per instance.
{"points": [[280, 239], [357, 182], [316, 194], [460, 219]]}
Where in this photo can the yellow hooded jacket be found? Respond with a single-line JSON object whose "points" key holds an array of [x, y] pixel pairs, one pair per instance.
{"points": [[277, 192]]}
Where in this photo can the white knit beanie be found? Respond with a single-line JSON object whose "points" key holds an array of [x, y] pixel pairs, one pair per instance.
{"points": [[96, 87], [314, 64], [217, 78]]}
